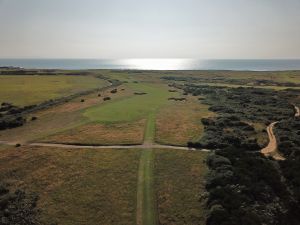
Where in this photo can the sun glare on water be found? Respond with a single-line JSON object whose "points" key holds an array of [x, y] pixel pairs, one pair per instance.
{"points": [[156, 64]]}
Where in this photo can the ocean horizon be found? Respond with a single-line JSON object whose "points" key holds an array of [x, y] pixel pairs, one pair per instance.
{"points": [[156, 64]]}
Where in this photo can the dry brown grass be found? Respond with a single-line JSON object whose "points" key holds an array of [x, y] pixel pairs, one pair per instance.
{"points": [[179, 183], [43, 126], [102, 134], [180, 122], [89, 100], [262, 136], [75, 186]]}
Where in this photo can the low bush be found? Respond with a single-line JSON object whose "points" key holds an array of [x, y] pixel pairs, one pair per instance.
{"points": [[9, 122], [106, 98], [114, 91]]}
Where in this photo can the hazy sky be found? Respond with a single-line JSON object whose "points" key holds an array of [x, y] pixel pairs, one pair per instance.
{"points": [[204, 29]]}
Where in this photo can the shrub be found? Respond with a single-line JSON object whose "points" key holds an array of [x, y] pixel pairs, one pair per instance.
{"points": [[140, 93], [217, 215], [17, 207], [214, 161]]}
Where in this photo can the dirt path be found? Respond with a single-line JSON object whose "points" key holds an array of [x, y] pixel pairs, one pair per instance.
{"points": [[146, 213], [143, 146], [297, 114], [271, 149]]}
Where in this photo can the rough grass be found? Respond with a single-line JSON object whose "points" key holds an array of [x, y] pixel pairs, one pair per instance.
{"points": [[59, 118], [149, 134], [179, 177], [45, 125], [29, 89], [180, 122], [76, 186], [102, 134], [262, 136]]}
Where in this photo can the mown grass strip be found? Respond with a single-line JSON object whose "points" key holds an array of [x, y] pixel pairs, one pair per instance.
{"points": [[150, 128], [146, 206]]}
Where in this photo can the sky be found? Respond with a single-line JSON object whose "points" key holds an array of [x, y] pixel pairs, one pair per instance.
{"points": [[115, 29]]}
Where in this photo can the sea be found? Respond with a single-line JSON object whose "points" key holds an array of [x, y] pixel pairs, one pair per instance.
{"points": [[157, 64]]}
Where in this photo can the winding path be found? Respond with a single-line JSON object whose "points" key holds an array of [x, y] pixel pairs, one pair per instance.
{"points": [[271, 149]]}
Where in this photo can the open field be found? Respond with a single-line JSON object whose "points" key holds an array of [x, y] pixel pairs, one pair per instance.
{"points": [[162, 115], [102, 134], [134, 107], [81, 186], [31, 89], [69, 122], [75, 186], [179, 183], [279, 76], [59, 118], [226, 76], [180, 122], [136, 184], [220, 84]]}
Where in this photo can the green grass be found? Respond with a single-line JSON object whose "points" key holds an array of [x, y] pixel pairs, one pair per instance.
{"points": [[150, 128], [29, 89], [146, 207], [131, 108], [179, 183], [134, 107]]}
